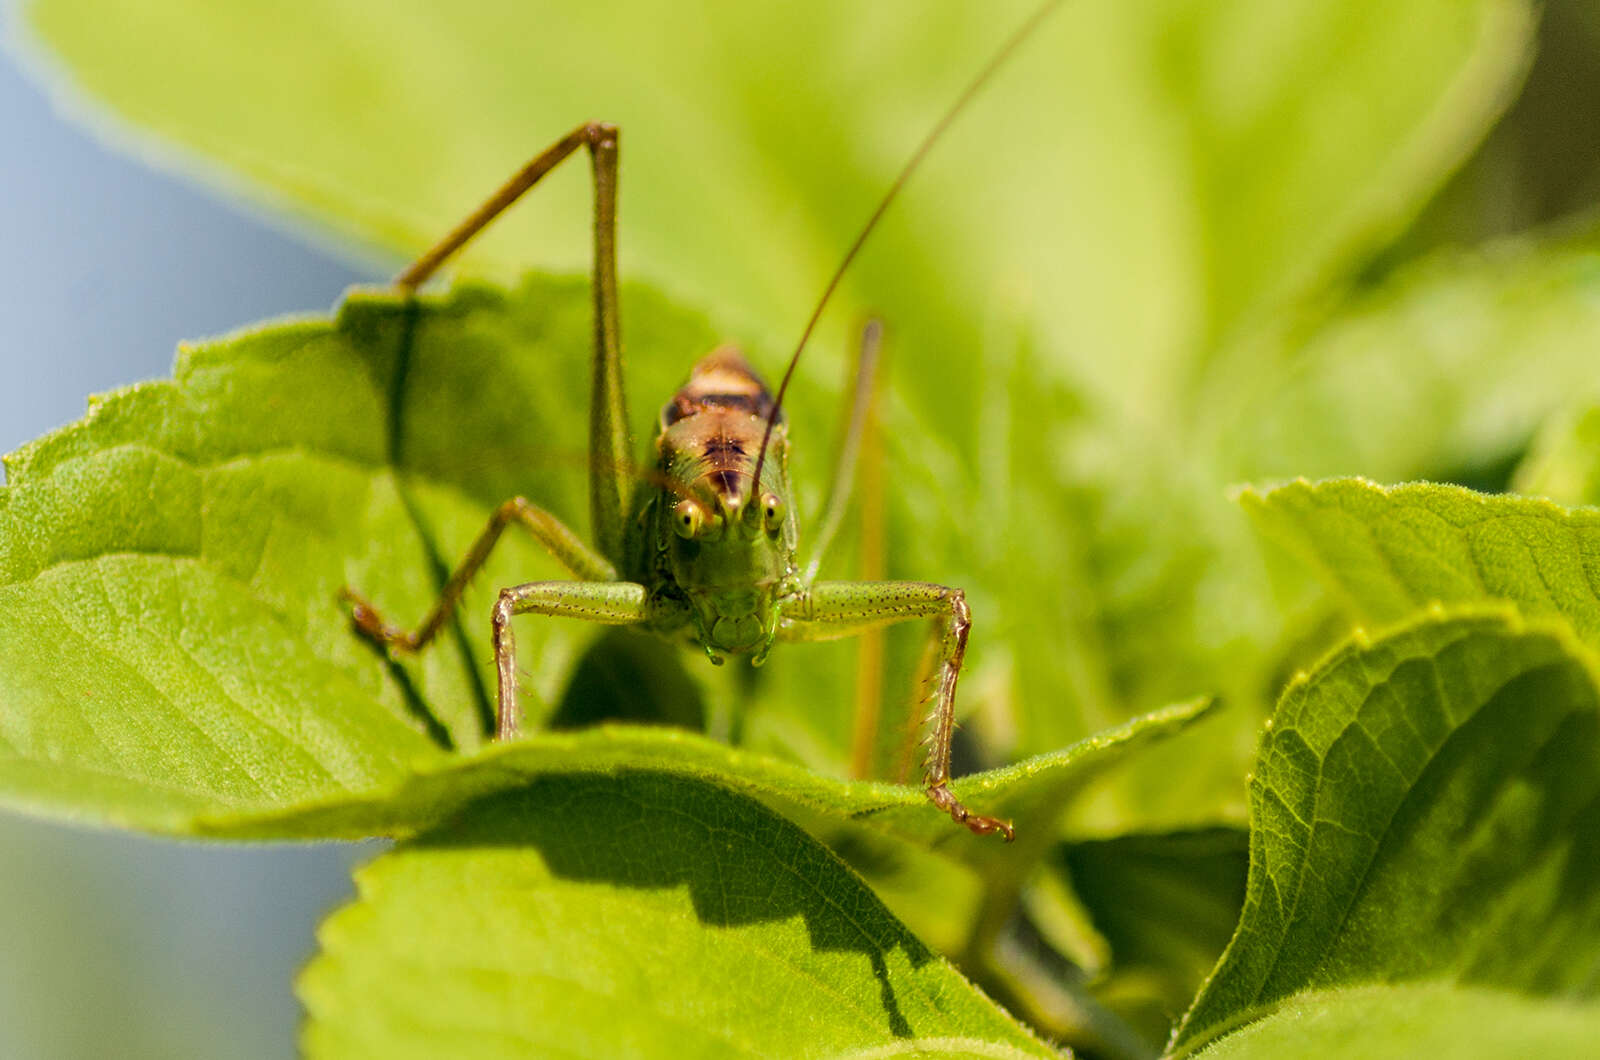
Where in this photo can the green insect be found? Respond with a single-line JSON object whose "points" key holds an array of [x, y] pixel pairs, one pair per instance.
{"points": [[707, 548]]}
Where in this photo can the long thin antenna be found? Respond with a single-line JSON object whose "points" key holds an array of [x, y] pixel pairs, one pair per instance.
{"points": [[1012, 43]]}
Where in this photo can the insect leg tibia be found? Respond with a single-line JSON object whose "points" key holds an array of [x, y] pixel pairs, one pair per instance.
{"points": [[609, 603], [829, 610], [941, 720]]}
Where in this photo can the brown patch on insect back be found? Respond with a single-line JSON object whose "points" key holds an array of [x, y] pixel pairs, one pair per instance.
{"points": [[711, 429], [722, 381]]}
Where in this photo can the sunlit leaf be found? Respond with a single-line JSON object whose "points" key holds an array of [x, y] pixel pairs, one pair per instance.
{"points": [[1424, 809], [635, 913]]}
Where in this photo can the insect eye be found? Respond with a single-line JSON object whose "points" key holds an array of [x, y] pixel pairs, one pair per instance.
{"points": [[687, 518], [771, 511]]}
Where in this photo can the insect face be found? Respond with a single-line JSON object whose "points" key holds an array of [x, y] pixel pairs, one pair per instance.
{"points": [[725, 546]]}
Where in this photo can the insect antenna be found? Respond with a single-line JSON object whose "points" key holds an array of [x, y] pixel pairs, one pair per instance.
{"points": [[976, 85]]}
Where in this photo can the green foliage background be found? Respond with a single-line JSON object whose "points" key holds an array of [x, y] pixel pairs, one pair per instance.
{"points": [[1176, 247]]}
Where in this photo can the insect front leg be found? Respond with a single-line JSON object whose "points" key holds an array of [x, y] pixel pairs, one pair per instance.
{"points": [[830, 610], [610, 603], [549, 531]]}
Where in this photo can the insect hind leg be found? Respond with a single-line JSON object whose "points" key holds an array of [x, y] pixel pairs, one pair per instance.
{"points": [[549, 531], [610, 445]]}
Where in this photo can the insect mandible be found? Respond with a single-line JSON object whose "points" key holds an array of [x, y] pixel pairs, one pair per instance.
{"points": [[707, 548]]}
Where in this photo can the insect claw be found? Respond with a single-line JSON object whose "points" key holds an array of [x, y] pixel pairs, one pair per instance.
{"points": [[371, 624], [942, 797]]}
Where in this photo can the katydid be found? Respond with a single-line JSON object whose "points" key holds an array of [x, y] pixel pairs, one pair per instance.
{"points": [[707, 547]]}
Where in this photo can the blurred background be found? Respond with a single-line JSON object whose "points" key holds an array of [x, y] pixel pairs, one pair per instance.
{"points": [[170, 949], [165, 949]]}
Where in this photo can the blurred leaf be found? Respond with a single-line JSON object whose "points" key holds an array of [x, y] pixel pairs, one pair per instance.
{"points": [[1542, 160], [1419, 802], [1401, 1022], [635, 913], [1166, 906], [1449, 365], [1388, 552], [1564, 462], [1226, 156]]}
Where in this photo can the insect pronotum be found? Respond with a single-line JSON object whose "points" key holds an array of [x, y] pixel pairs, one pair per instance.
{"points": [[706, 548]]}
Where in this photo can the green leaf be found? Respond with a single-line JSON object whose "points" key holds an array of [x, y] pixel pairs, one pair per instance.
{"points": [[1032, 792], [1164, 906], [636, 913], [1388, 552], [1564, 461], [172, 637], [1411, 1021], [1425, 807], [953, 890]]}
